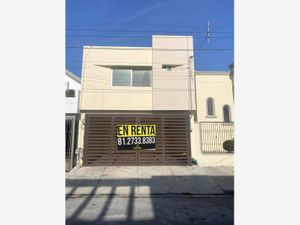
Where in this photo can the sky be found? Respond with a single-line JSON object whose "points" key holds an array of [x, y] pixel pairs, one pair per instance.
{"points": [[133, 22]]}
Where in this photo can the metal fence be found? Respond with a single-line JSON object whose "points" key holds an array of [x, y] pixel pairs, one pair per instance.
{"points": [[213, 135]]}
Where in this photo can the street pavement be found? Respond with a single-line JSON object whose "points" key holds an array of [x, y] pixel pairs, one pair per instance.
{"points": [[139, 195], [176, 210], [147, 180]]}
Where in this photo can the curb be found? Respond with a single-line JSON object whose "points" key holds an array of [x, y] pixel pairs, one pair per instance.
{"points": [[166, 195]]}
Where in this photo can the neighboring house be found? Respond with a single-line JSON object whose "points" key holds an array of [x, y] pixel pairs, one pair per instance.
{"points": [[214, 96], [127, 90], [72, 96], [215, 117], [72, 92]]}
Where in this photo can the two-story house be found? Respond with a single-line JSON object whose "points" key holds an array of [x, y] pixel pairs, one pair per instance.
{"points": [[137, 103]]}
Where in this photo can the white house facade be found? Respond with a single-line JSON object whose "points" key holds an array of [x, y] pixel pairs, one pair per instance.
{"points": [[72, 85]]}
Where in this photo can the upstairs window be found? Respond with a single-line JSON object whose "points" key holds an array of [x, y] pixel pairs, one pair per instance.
{"points": [[131, 77], [121, 77], [210, 106], [141, 78]]}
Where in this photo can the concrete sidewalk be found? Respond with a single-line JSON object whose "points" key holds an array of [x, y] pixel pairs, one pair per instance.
{"points": [[149, 180]]}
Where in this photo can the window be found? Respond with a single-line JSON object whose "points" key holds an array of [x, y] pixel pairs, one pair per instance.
{"points": [[70, 93], [121, 77], [131, 77], [226, 113], [141, 78], [210, 107]]}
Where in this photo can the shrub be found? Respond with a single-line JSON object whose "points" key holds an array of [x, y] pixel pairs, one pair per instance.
{"points": [[70, 93], [229, 145], [194, 161]]}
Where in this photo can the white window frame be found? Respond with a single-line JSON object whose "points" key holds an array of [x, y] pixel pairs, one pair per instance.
{"points": [[131, 77]]}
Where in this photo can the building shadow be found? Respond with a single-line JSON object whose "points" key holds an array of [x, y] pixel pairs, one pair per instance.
{"points": [[168, 200]]}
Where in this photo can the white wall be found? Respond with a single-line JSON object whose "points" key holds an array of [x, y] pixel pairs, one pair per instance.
{"points": [[71, 104]]}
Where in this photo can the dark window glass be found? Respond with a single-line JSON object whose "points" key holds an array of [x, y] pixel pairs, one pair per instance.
{"points": [[141, 78], [210, 107], [70, 93], [226, 113], [121, 77]]}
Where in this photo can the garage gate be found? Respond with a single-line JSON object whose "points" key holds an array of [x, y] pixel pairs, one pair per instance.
{"points": [[172, 140]]}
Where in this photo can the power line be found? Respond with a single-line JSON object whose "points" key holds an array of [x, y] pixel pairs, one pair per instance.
{"points": [[138, 37], [142, 24], [147, 31], [152, 49]]}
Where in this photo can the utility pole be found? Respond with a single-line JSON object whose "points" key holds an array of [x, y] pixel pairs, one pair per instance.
{"points": [[208, 32], [190, 84]]}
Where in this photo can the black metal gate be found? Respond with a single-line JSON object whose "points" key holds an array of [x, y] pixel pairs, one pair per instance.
{"points": [[70, 123], [213, 135]]}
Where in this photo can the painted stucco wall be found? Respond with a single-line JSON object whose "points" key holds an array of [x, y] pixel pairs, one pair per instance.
{"points": [[208, 159], [72, 103], [170, 90], [173, 90], [217, 85], [97, 90]]}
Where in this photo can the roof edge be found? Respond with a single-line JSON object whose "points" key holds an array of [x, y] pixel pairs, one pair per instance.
{"points": [[73, 76], [225, 72], [115, 47]]}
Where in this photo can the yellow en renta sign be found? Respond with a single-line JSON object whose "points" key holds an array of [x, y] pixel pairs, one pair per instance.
{"points": [[136, 130]]}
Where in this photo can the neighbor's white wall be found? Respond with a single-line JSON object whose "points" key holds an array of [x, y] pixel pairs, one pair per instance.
{"points": [[72, 104]]}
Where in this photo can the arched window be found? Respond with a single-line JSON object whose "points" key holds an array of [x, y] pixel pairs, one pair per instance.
{"points": [[226, 113], [210, 106]]}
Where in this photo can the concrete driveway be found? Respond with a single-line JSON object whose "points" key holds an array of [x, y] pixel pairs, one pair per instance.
{"points": [[149, 180]]}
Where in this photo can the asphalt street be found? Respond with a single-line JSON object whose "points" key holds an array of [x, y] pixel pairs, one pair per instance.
{"points": [[165, 209]]}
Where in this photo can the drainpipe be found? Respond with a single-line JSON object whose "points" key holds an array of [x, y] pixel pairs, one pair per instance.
{"points": [[231, 67], [79, 156]]}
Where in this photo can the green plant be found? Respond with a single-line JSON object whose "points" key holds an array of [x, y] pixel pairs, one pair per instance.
{"points": [[228, 145], [70, 93], [194, 161]]}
